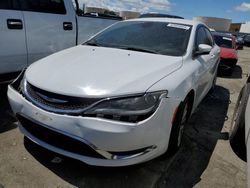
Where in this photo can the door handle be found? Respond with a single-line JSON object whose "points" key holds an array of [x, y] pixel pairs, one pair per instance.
{"points": [[67, 26], [15, 24]]}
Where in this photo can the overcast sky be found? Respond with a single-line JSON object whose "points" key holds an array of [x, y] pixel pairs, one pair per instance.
{"points": [[237, 10]]}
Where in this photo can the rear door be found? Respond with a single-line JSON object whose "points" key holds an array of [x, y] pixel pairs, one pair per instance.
{"points": [[50, 26], [13, 51]]}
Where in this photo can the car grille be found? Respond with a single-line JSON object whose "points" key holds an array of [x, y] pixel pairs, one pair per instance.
{"points": [[56, 139], [74, 106], [57, 103]]}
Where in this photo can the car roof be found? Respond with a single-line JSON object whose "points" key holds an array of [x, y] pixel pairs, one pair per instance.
{"points": [[167, 20]]}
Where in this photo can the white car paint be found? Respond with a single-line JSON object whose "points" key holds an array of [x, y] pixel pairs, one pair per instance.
{"points": [[45, 33], [42, 35], [103, 134], [98, 72], [85, 61], [13, 52]]}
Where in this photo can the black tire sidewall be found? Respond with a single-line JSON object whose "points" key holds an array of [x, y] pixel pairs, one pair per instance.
{"points": [[173, 140], [241, 108], [237, 133]]}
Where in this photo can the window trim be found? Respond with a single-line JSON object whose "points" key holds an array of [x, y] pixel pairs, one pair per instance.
{"points": [[43, 12], [196, 36], [213, 42]]}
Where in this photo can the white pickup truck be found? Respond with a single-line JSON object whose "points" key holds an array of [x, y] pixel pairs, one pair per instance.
{"points": [[33, 29]]}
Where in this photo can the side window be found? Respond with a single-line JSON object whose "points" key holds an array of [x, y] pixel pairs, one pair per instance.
{"points": [[9, 4], [46, 6], [210, 37], [5, 4], [204, 37], [200, 37]]}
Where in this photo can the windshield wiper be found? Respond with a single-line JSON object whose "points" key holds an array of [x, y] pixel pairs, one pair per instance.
{"points": [[139, 49], [94, 43]]}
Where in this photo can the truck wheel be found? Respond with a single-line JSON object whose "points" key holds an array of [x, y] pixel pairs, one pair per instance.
{"points": [[178, 128], [237, 130]]}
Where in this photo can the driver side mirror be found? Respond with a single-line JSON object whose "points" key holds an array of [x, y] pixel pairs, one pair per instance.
{"points": [[203, 49]]}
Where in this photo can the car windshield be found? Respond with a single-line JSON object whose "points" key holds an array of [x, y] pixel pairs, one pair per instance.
{"points": [[223, 41], [152, 37]]}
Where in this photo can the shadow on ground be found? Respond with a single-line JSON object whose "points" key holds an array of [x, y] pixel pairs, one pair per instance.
{"points": [[6, 116], [236, 74], [182, 170]]}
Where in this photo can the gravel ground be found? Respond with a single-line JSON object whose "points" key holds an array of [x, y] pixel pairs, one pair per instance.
{"points": [[205, 159]]}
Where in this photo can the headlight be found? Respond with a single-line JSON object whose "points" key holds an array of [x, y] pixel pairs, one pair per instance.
{"points": [[129, 106]]}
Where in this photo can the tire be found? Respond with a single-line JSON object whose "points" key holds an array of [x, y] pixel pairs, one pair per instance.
{"points": [[178, 128], [237, 130]]}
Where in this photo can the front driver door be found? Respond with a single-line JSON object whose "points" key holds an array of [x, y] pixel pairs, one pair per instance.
{"points": [[205, 64]]}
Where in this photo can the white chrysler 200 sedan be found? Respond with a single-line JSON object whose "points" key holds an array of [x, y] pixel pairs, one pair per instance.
{"points": [[121, 98]]}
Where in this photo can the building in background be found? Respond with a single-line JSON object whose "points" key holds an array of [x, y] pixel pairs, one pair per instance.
{"points": [[235, 27], [93, 10], [129, 15], [245, 28], [88, 10], [218, 24], [103, 11]]}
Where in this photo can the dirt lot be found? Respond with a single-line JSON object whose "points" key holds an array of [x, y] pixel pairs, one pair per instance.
{"points": [[205, 159]]}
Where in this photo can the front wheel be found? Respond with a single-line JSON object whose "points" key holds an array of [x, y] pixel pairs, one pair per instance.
{"points": [[178, 128]]}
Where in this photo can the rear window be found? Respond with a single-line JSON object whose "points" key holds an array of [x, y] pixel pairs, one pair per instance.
{"points": [[45, 6]]}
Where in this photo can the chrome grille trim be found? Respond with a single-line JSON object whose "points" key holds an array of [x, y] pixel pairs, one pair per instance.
{"points": [[59, 106]]}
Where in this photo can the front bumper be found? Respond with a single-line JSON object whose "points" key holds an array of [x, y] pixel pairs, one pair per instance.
{"points": [[115, 143]]}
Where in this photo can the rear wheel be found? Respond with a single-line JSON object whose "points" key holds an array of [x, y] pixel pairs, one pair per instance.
{"points": [[178, 128]]}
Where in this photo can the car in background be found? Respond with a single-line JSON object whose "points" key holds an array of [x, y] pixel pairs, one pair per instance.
{"points": [[229, 54], [247, 40], [239, 42], [121, 98]]}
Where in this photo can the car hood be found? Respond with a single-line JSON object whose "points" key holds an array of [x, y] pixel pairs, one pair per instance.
{"points": [[86, 71], [228, 53]]}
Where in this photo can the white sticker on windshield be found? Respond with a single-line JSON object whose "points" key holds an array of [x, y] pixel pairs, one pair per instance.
{"points": [[179, 26], [225, 38]]}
